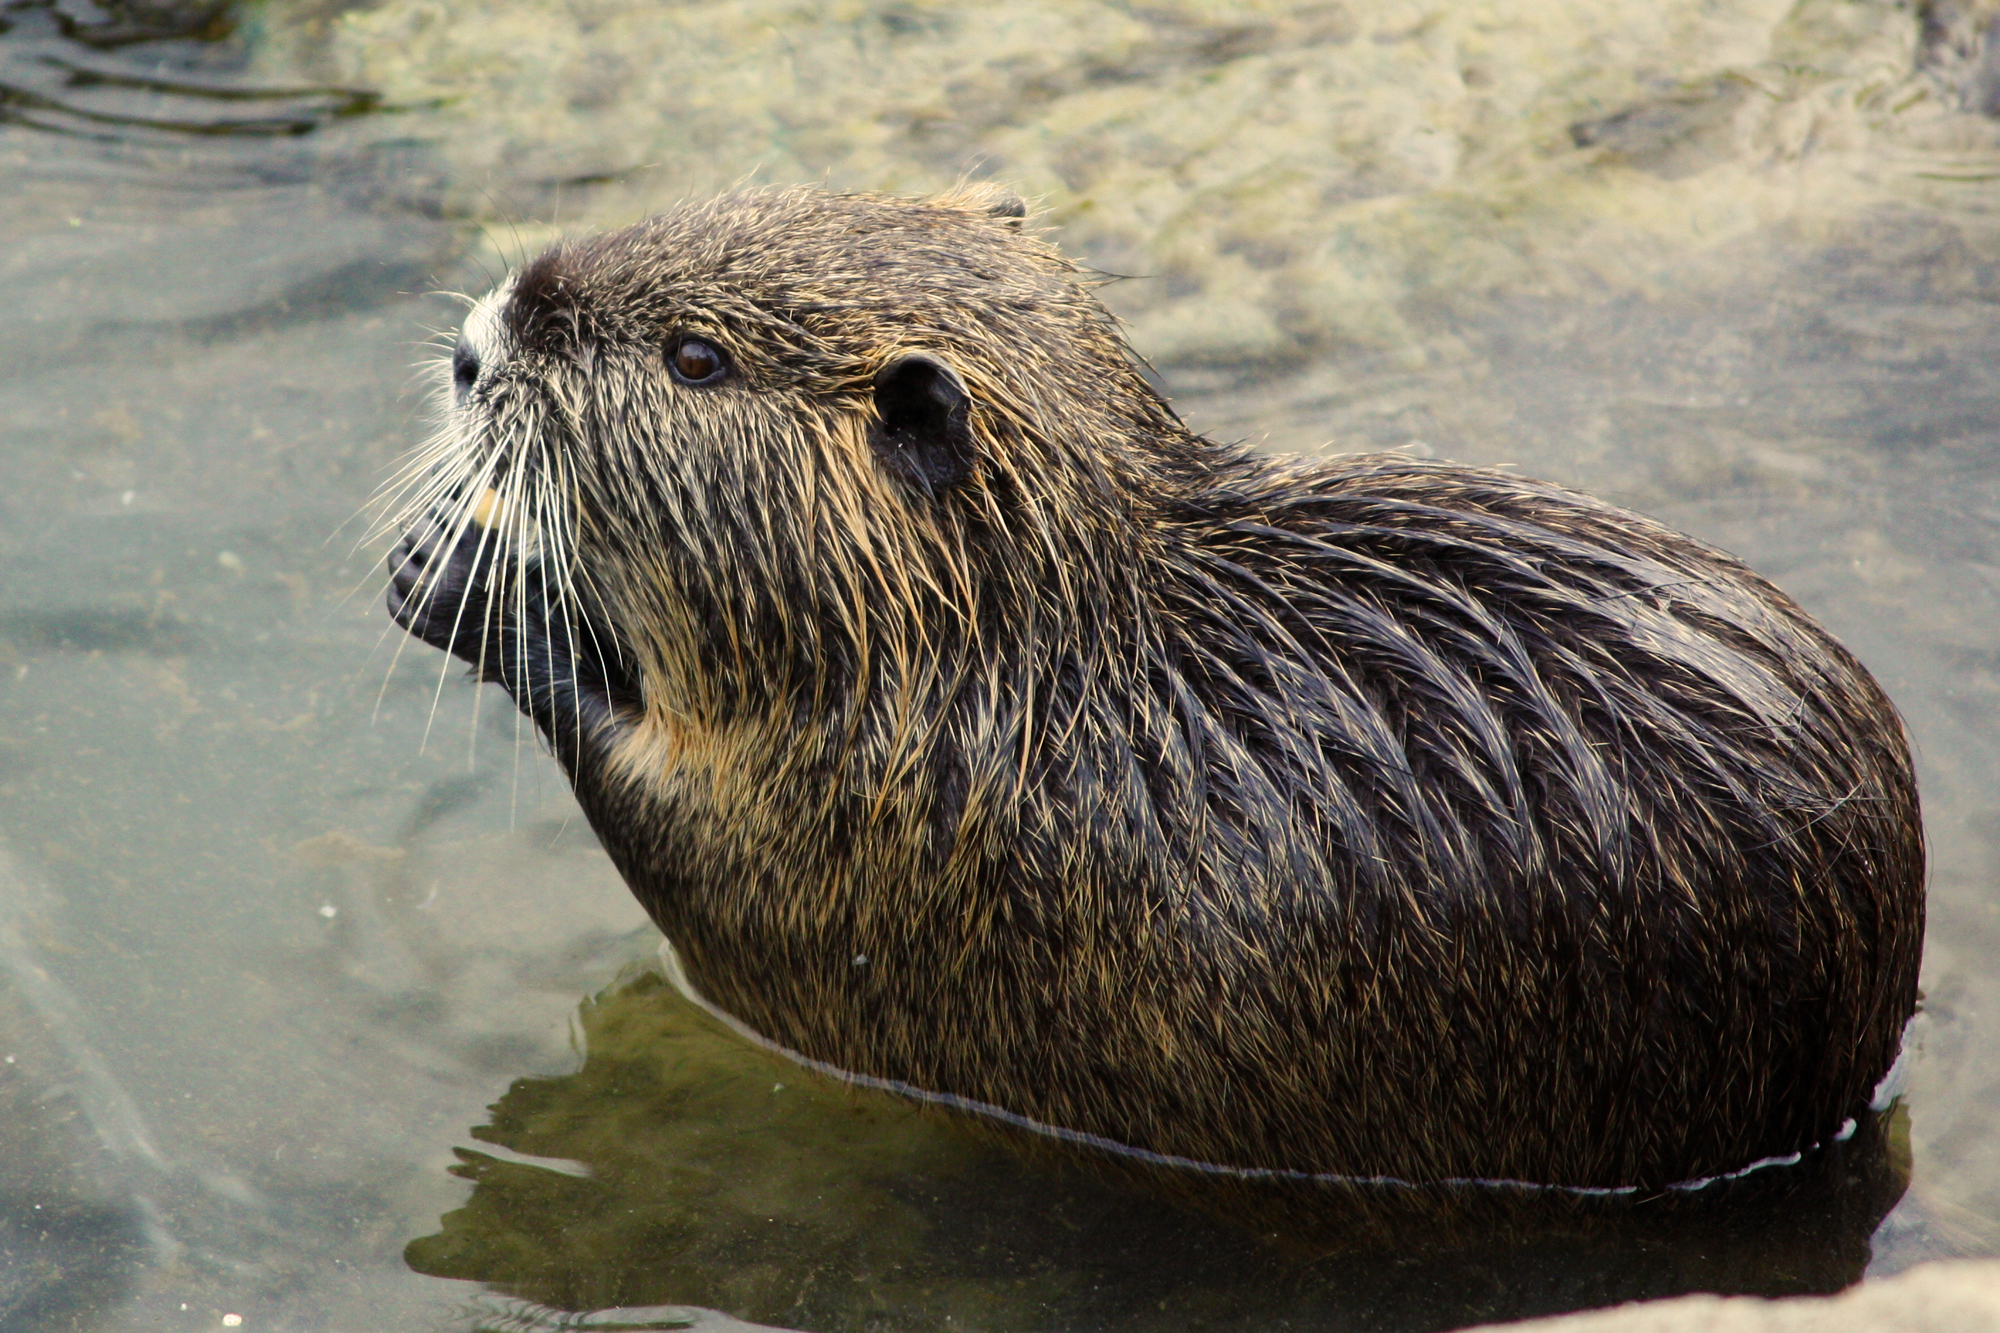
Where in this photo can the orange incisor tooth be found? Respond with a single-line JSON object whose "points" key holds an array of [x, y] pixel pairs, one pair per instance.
{"points": [[486, 510]]}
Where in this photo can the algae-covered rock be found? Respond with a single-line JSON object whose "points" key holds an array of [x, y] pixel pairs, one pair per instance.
{"points": [[1287, 179]]}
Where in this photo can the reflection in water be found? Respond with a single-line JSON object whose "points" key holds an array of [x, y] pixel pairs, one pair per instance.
{"points": [[190, 88], [681, 1166], [110, 24]]}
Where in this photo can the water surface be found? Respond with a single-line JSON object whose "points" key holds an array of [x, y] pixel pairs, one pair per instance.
{"points": [[320, 1006]]}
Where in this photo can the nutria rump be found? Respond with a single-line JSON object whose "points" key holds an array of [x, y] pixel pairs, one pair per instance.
{"points": [[966, 721]]}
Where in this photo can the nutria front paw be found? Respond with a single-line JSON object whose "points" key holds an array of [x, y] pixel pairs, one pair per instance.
{"points": [[443, 596]]}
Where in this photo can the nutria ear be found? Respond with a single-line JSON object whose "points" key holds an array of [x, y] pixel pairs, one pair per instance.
{"points": [[923, 428], [1011, 208]]}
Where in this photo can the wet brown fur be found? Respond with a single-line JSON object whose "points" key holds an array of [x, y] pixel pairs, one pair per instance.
{"points": [[1362, 816]]}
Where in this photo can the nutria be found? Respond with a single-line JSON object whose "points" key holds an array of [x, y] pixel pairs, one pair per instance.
{"points": [[968, 722]]}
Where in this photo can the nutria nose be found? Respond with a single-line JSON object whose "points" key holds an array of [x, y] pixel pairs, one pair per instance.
{"points": [[464, 369]]}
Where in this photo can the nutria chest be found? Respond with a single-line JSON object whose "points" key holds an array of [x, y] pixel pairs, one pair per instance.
{"points": [[969, 730]]}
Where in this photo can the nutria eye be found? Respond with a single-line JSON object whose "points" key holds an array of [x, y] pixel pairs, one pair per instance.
{"points": [[695, 362]]}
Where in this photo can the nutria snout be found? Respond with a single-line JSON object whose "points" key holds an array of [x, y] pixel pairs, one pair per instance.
{"points": [[966, 721]]}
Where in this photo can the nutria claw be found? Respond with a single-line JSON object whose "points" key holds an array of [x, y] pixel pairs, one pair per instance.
{"points": [[444, 601]]}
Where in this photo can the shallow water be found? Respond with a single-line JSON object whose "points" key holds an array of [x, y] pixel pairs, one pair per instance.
{"points": [[319, 1005]]}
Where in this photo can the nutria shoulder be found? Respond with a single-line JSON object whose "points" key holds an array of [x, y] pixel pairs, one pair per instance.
{"points": [[966, 721]]}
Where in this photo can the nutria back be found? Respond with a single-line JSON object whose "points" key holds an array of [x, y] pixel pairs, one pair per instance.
{"points": [[967, 722]]}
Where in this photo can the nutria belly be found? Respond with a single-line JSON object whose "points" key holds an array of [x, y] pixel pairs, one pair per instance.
{"points": [[1368, 818]]}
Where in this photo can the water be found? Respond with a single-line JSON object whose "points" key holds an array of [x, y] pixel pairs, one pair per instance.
{"points": [[319, 1005]]}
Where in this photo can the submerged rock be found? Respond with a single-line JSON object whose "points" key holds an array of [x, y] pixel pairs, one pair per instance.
{"points": [[1961, 1296], [1288, 180]]}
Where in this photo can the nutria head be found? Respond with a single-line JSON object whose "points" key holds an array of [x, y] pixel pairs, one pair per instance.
{"points": [[786, 444]]}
